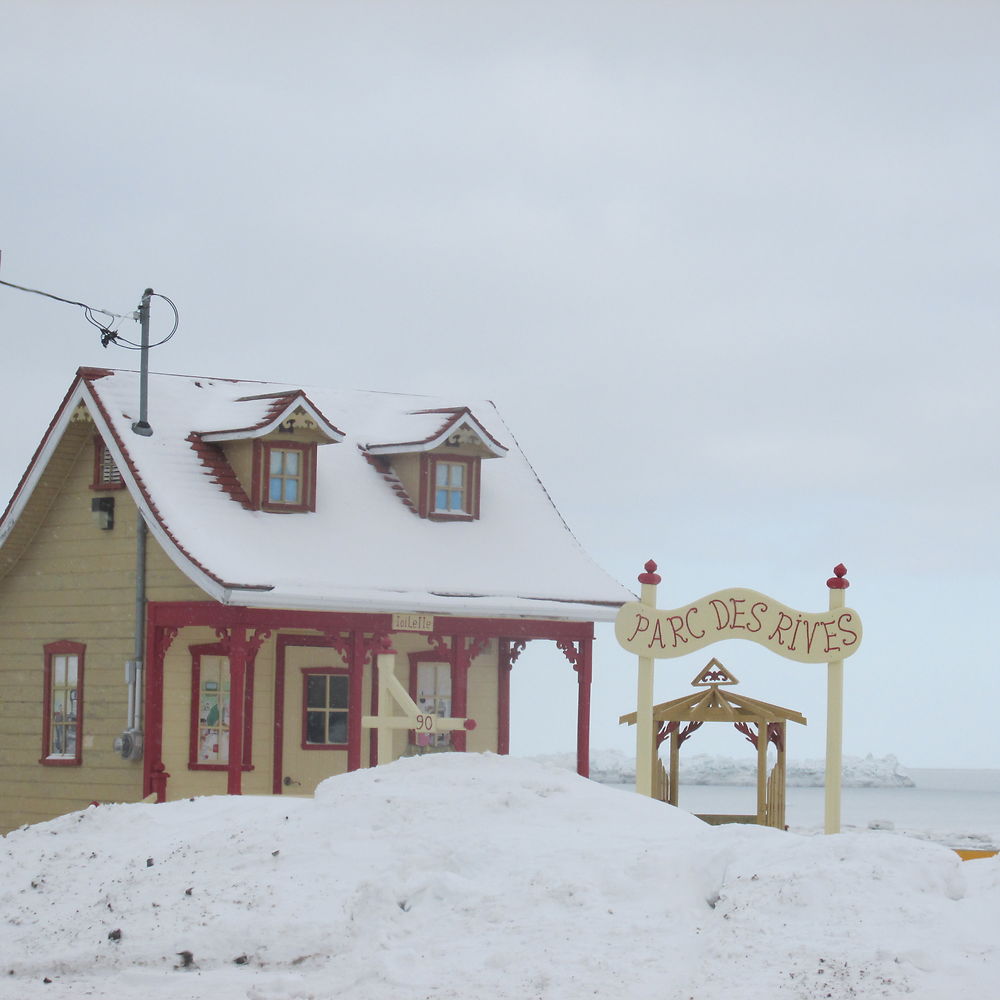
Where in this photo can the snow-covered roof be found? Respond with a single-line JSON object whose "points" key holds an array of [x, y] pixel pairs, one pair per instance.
{"points": [[363, 548]]}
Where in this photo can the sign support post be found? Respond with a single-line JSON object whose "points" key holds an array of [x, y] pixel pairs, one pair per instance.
{"points": [[645, 747], [834, 715]]}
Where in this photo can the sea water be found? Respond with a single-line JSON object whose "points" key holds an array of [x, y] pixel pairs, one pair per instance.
{"points": [[959, 808]]}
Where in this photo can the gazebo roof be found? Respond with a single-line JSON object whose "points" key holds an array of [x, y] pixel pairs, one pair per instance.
{"points": [[712, 704]]}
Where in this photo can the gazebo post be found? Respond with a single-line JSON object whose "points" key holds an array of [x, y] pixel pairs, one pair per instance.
{"points": [[762, 771], [675, 764]]}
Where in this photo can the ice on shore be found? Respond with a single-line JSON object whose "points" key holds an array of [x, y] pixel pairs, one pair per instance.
{"points": [[612, 767]]}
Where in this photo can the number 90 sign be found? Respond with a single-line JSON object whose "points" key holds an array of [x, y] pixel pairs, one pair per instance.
{"points": [[425, 723]]}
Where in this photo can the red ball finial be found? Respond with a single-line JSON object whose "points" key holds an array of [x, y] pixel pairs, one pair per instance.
{"points": [[839, 580], [650, 576], [469, 724]]}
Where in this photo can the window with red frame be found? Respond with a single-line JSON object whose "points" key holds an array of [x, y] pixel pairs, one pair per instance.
{"points": [[430, 688], [450, 487], [325, 703], [286, 477], [62, 727], [211, 711]]}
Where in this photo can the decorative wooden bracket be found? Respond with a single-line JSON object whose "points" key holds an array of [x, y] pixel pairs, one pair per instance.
{"points": [[517, 647], [259, 637], [571, 650], [163, 637], [665, 729], [342, 645], [773, 733]]}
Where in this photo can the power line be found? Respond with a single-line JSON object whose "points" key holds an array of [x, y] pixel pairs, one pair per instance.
{"points": [[72, 302], [109, 331]]}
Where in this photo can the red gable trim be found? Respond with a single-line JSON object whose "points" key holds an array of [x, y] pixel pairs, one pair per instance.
{"points": [[283, 403], [457, 416]]}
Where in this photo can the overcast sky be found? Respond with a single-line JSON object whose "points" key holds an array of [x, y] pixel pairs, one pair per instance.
{"points": [[729, 271]]}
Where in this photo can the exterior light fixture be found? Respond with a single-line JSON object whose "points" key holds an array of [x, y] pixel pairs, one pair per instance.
{"points": [[103, 509]]}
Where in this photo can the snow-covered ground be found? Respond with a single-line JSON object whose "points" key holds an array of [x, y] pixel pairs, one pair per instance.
{"points": [[480, 878]]}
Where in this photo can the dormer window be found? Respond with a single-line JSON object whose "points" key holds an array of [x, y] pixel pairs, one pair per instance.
{"points": [[286, 475], [270, 463], [449, 487]]}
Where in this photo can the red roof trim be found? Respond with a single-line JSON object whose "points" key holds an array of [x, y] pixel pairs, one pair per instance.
{"points": [[214, 460], [384, 469], [282, 402], [457, 415]]}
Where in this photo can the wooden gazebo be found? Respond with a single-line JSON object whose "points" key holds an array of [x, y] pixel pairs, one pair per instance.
{"points": [[678, 719]]}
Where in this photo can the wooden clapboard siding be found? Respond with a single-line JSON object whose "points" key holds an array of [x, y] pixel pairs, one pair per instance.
{"points": [[483, 703], [62, 577]]}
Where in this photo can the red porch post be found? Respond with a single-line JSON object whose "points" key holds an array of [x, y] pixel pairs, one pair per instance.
{"points": [[158, 640], [583, 667], [505, 663], [356, 666], [460, 661], [237, 698]]}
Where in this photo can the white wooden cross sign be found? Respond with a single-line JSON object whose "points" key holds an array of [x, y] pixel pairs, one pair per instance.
{"points": [[412, 718]]}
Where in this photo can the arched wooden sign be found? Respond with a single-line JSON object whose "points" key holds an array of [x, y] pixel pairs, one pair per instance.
{"points": [[823, 637], [738, 614]]}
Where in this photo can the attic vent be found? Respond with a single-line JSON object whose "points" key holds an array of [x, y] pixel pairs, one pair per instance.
{"points": [[108, 473]]}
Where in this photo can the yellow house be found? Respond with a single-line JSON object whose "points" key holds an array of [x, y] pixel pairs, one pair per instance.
{"points": [[200, 609]]}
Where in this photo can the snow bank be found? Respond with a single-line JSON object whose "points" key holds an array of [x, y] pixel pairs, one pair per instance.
{"points": [[611, 767], [473, 876]]}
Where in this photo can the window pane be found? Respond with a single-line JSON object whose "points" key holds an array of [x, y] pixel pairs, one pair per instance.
{"points": [[441, 500], [315, 725], [338, 691], [338, 727], [208, 746], [441, 474], [274, 464], [316, 691], [71, 667], [274, 490], [291, 491], [291, 463], [457, 475], [59, 670]]}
